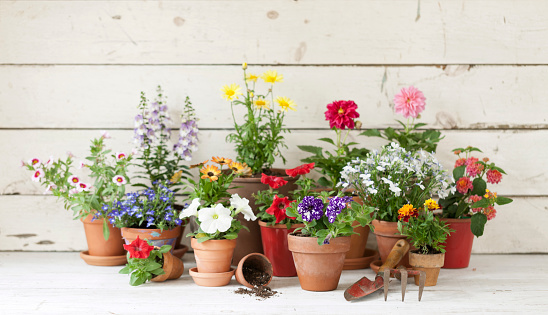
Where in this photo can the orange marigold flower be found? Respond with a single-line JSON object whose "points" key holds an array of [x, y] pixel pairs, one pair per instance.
{"points": [[211, 172], [406, 212], [221, 161], [431, 204]]}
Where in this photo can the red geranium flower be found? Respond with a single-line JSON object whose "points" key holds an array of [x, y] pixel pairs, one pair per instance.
{"points": [[273, 181], [278, 207], [138, 249], [300, 170], [341, 114]]}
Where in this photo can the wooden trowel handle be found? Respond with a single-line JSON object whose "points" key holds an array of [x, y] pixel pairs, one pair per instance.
{"points": [[396, 254]]}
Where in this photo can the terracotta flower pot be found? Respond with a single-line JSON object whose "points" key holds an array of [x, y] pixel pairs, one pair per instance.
{"points": [[173, 268], [254, 270], [156, 236], [250, 241], [358, 241], [97, 245], [431, 264], [458, 246], [387, 235], [318, 267], [274, 239], [213, 256], [215, 279]]}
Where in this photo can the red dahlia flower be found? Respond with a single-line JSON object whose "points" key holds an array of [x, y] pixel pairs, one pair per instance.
{"points": [[300, 170], [278, 207], [138, 249], [273, 181], [341, 114]]}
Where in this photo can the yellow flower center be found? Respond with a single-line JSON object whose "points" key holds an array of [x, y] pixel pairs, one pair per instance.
{"points": [[230, 92], [341, 111], [215, 216]]}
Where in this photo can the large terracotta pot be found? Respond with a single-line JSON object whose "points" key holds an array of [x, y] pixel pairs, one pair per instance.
{"points": [[458, 245], [156, 236], [275, 248], [97, 245], [387, 235], [430, 264], [250, 241], [213, 256], [319, 267], [173, 268]]}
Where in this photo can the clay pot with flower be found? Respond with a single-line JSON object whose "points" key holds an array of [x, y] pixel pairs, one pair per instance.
{"points": [[69, 183], [427, 233], [160, 161], [259, 141], [390, 178], [409, 102], [320, 246], [151, 263], [468, 209]]}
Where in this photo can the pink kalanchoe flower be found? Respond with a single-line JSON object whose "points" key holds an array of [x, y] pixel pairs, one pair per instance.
{"points": [[83, 186], [35, 162], [341, 114], [464, 184], [493, 176], [119, 180], [74, 180], [50, 161], [81, 165], [50, 188], [39, 173], [120, 155], [409, 102]]}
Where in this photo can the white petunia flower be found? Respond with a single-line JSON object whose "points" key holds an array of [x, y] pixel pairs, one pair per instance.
{"points": [[191, 210], [242, 205], [215, 219]]}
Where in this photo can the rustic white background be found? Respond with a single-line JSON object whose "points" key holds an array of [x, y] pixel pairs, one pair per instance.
{"points": [[69, 69]]}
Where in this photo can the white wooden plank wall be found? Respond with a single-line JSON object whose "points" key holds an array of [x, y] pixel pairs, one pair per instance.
{"points": [[71, 68]]}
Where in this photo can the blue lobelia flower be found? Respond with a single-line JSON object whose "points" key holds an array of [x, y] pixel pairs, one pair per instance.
{"points": [[310, 208]]}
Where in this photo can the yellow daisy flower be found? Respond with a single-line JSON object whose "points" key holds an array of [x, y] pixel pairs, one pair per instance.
{"points": [[251, 77], [286, 103], [176, 177], [272, 76], [261, 103], [231, 92], [210, 172]]}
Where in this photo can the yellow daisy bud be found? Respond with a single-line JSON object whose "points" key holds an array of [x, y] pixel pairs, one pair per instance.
{"points": [[244, 65]]}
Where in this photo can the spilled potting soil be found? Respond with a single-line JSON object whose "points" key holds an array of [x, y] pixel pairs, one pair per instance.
{"points": [[261, 292]]}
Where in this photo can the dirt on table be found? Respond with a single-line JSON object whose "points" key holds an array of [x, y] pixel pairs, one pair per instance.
{"points": [[261, 292], [254, 274]]}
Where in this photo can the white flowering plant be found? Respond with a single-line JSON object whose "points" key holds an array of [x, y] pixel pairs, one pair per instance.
{"points": [[393, 177], [61, 179], [160, 162]]}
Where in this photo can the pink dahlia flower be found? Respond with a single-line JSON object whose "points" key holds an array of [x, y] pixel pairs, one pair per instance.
{"points": [[409, 102], [341, 114]]}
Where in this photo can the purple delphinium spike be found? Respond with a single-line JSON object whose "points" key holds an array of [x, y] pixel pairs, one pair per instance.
{"points": [[335, 206], [310, 208]]}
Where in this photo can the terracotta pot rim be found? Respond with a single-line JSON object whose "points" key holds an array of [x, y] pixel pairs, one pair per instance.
{"points": [[280, 226], [211, 274], [258, 179], [339, 244], [213, 245], [451, 220]]}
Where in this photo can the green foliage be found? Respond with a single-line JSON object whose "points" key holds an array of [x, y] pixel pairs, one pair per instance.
{"points": [[143, 270], [427, 232]]}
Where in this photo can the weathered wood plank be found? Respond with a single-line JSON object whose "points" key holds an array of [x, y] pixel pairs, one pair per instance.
{"points": [[502, 147], [271, 32], [107, 96], [22, 226]]}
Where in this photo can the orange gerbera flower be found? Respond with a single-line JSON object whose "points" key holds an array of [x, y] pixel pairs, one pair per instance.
{"points": [[210, 172], [199, 164], [221, 161]]}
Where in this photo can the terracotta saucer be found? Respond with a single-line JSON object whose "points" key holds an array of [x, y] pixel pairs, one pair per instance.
{"points": [[362, 262], [376, 265], [103, 260], [180, 251], [214, 279]]}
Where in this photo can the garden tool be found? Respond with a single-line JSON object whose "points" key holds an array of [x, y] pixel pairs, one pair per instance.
{"points": [[365, 286]]}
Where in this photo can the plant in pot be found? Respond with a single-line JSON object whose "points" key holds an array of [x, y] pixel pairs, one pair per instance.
{"points": [[162, 163], [409, 102], [215, 212], [427, 234], [85, 199], [468, 209], [148, 214], [320, 246], [151, 263], [259, 140], [390, 178]]}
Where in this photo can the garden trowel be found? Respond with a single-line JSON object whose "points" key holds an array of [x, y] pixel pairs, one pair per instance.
{"points": [[365, 286]]}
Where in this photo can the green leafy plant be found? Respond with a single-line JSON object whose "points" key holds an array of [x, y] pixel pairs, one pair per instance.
{"points": [[472, 199], [144, 261]]}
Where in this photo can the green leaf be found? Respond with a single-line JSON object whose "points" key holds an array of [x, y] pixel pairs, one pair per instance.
{"points": [[458, 172], [478, 224], [153, 266], [328, 140], [124, 270], [106, 231], [371, 133], [483, 203], [479, 187], [311, 149], [231, 235], [503, 200]]}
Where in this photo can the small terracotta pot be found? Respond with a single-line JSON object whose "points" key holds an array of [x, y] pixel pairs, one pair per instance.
{"points": [[458, 246], [358, 241], [319, 267], [250, 241], [218, 279], [431, 264], [173, 268], [213, 256], [274, 239], [156, 236], [387, 235], [97, 245], [256, 261]]}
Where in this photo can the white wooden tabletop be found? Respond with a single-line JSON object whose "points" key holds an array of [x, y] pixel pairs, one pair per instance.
{"points": [[61, 283]]}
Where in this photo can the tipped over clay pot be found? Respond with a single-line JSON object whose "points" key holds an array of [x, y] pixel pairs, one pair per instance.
{"points": [[254, 270], [173, 268]]}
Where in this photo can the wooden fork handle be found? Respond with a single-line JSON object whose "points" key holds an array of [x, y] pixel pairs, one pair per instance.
{"points": [[396, 254]]}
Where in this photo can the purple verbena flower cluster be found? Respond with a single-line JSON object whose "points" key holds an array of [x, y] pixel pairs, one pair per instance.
{"points": [[335, 206], [310, 208]]}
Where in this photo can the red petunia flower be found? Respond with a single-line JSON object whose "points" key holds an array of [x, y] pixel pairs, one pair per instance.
{"points": [[341, 114], [138, 249], [273, 181], [278, 207], [300, 170]]}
